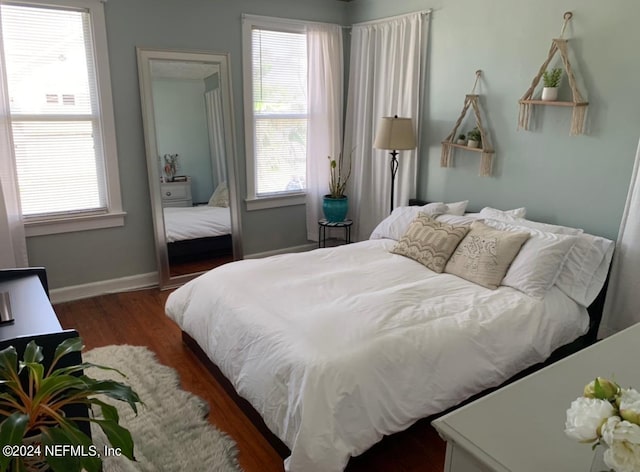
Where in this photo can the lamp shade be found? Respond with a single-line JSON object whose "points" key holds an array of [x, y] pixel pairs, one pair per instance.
{"points": [[395, 134]]}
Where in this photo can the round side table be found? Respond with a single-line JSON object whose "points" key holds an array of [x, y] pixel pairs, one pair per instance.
{"points": [[323, 224]]}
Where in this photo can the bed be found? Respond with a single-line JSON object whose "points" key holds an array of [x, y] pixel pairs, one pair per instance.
{"points": [[196, 232], [337, 347]]}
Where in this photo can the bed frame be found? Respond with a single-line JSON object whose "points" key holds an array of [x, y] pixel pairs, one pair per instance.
{"points": [[595, 315], [190, 250]]}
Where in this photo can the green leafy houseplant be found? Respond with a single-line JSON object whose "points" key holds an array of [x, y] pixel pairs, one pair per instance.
{"points": [[32, 398], [474, 135], [337, 178], [552, 78]]}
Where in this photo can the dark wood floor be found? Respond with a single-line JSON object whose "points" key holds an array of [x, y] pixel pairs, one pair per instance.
{"points": [[201, 265], [138, 318]]}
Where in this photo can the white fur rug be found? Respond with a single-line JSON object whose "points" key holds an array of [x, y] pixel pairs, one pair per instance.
{"points": [[171, 431]]}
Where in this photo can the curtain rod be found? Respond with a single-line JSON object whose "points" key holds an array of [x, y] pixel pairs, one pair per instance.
{"points": [[390, 18]]}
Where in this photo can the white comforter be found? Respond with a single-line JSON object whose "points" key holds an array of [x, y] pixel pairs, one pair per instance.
{"points": [[337, 347], [182, 223]]}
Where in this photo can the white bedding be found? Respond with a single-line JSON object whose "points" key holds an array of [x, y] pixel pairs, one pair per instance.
{"points": [[337, 347], [202, 221]]}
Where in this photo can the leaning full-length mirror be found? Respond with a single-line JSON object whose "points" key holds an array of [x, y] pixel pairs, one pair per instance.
{"points": [[190, 147]]}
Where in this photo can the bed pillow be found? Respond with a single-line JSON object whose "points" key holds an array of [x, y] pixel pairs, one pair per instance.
{"points": [[538, 264], [584, 272], [508, 215], [456, 219], [456, 208], [585, 269], [220, 197], [397, 223], [557, 229], [485, 253], [430, 242]]}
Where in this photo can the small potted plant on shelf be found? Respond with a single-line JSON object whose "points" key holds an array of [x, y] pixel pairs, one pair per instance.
{"points": [[551, 80], [475, 138], [33, 415], [336, 204], [462, 139]]}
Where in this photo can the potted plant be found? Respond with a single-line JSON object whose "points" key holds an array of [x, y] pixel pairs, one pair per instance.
{"points": [[475, 138], [551, 80], [336, 204], [33, 398], [462, 139]]}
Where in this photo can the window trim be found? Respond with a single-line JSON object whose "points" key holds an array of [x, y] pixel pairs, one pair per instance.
{"points": [[280, 199], [114, 215]]}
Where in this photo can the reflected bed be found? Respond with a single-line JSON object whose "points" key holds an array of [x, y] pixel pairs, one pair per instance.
{"points": [[197, 232]]}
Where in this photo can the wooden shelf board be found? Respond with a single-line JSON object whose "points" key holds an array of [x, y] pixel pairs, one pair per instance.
{"points": [[462, 146], [555, 103]]}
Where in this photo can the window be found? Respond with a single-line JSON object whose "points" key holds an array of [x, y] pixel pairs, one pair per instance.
{"points": [[62, 124], [275, 77]]}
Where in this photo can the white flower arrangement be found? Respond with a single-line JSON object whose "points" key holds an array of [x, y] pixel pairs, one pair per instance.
{"points": [[170, 165], [608, 415]]}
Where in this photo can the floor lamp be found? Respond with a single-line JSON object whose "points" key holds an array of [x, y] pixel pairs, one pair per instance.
{"points": [[395, 134]]}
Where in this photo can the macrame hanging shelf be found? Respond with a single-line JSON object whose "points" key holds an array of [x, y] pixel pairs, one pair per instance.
{"points": [[578, 103], [449, 145]]}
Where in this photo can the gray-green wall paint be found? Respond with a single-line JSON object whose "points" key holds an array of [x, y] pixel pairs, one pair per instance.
{"points": [[579, 181]]}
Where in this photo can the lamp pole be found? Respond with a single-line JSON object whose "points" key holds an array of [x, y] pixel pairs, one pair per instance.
{"points": [[394, 170]]}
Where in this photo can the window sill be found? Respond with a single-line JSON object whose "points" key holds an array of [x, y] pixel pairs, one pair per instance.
{"points": [[262, 203], [70, 224]]}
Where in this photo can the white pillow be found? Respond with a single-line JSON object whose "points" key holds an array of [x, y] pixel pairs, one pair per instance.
{"points": [[397, 223], [457, 220], [504, 216], [585, 270], [456, 208], [538, 264], [507, 215], [220, 197]]}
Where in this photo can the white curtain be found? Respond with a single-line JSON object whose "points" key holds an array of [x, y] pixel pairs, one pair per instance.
{"points": [[213, 105], [325, 105], [385, 79], [622, 304], [13, 247]]}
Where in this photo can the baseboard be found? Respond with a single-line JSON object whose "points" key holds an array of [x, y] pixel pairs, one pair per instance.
{"points": [[135, 282], [122, 284], [302, 248]]}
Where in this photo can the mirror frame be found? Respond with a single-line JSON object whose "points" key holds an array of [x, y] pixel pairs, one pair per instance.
{"points": [[145, 56]]}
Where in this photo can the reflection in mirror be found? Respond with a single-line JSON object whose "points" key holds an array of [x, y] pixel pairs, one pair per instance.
{"points": [[186, 100]]}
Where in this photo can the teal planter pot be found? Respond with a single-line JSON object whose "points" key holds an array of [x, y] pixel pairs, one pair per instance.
{"points": [[335, 209]]}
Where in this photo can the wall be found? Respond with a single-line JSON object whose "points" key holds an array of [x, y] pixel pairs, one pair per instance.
{"points": [[181, 127], [578, 181], [212, 25]]}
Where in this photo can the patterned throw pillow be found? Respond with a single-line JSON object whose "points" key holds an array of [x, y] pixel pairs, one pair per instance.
{"points": [[430, 242], [485, 254]]}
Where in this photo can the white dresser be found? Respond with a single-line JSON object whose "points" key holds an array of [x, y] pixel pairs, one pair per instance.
{"points": [[176, 194], [520, 428]]}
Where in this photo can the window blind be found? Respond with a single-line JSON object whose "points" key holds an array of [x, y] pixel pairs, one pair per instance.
{"points": [[54, 109], [279, 66]]}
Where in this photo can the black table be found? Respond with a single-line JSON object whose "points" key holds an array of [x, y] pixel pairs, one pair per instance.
{"points": [[323, 224]]}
